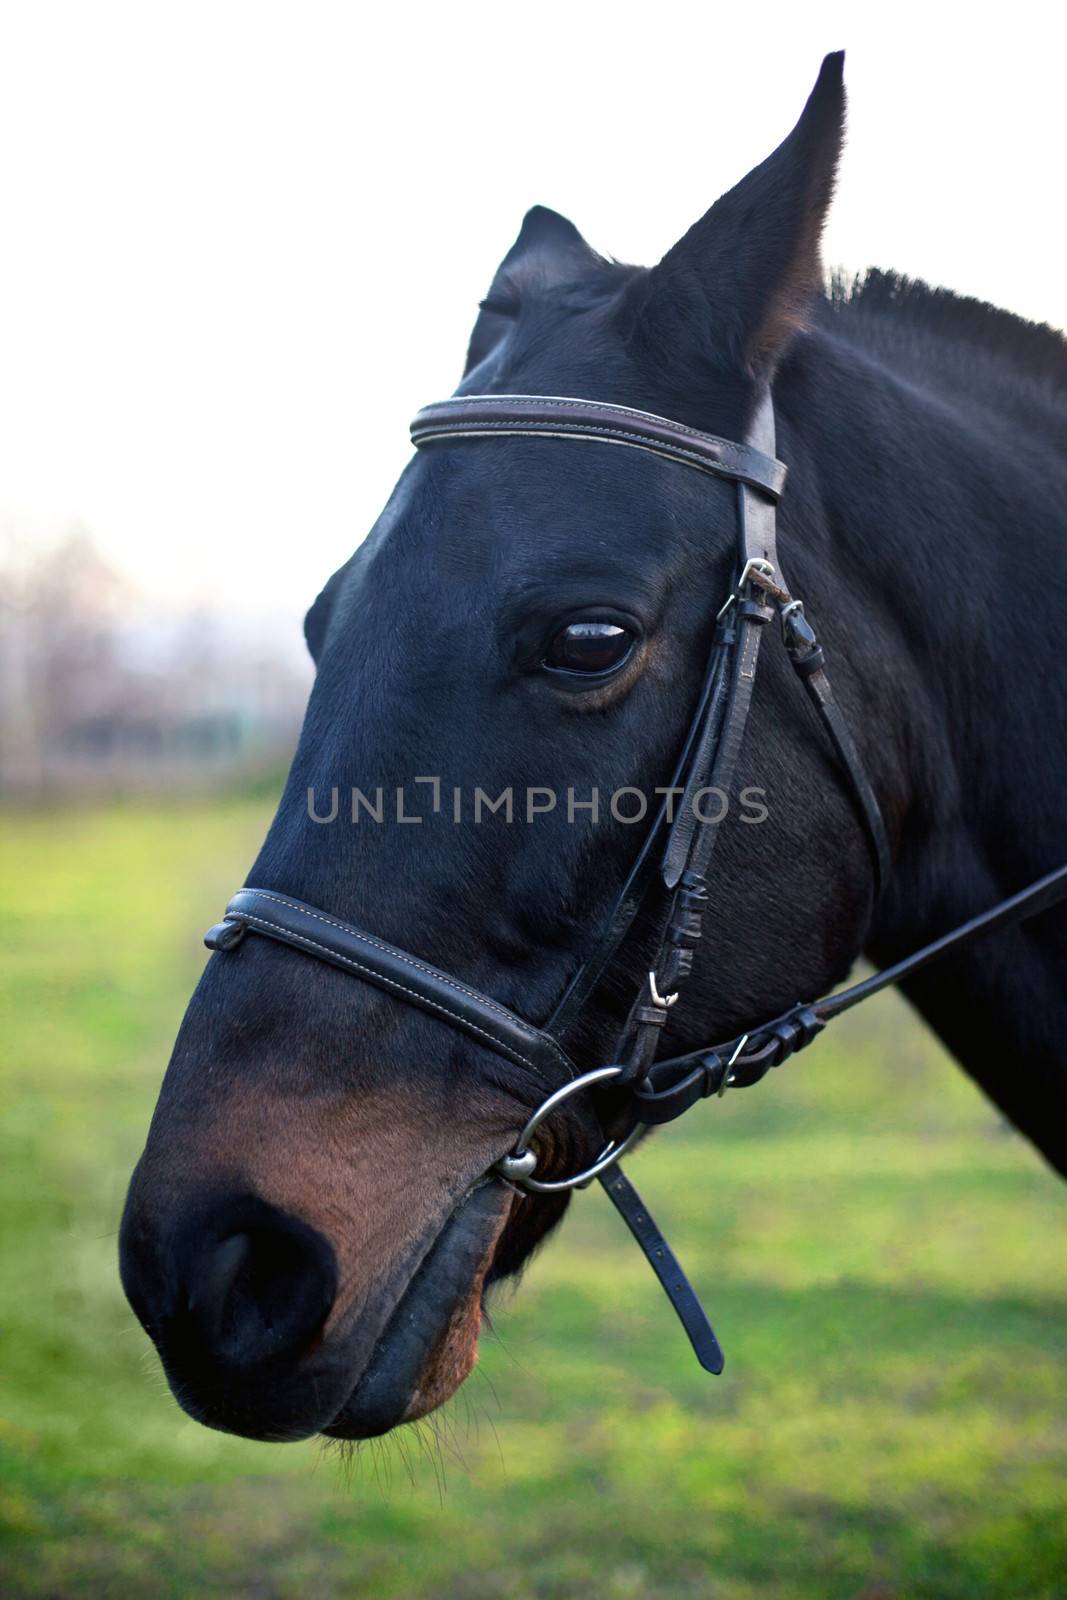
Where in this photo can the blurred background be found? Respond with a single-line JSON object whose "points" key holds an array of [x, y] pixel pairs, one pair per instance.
{"points": [[241, 245]]}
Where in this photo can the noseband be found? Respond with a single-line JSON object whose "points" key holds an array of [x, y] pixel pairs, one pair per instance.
{"points": [[668, 880]]}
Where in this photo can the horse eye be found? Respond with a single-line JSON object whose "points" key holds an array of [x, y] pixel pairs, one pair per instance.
{"points": [[589, 647]]}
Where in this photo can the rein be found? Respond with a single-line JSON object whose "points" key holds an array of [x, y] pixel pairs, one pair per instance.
{"points": [[672, 865]]}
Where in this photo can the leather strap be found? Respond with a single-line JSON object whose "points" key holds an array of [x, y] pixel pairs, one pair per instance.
{"points": [[741, 628], [694, 834], [1042, 895], [646, 868], [820, 693], [664, 1263], [290, 922], [672, 1086], [808, 661], [713, 741], [488, 415]]}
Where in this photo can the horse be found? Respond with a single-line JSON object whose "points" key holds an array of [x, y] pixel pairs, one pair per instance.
{"points": [[310, 1234]]}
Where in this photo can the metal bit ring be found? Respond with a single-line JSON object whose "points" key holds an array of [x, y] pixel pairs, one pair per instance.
{"points": [[518, 1167]]}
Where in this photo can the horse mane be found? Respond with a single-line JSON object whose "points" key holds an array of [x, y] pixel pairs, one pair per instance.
{"points": [[959, 345]]}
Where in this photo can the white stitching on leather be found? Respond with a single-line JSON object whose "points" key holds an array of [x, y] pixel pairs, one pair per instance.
{"points": [[449, 429], [533, 427], [542, 402], [390, 950], [357, 966], [411, 961]]}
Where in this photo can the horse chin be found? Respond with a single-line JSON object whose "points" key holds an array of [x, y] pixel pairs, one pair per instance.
{"points": [[430, 1343]]}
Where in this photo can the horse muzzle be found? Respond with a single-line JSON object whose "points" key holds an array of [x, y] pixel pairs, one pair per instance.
{"points": [[245, 1304]]}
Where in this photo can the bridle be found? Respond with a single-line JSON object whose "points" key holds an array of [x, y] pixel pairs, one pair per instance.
{"points": [[668, 880]]}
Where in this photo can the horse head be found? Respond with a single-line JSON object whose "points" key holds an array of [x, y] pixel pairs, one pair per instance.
{"points": [[311, 1232]]}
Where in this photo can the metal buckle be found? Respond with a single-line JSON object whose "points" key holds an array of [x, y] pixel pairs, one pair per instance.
{"points": [[662, 1002], [754, 564], [725, 1084], [518, 1167]]}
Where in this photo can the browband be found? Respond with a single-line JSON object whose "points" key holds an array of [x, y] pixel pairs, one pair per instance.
{"points": [[487, 415]]}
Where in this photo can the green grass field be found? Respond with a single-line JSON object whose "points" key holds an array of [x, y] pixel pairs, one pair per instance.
{"points": [[884, 1263]]}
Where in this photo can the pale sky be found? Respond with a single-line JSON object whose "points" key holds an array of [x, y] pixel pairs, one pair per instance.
{"points": [[242, 243]]}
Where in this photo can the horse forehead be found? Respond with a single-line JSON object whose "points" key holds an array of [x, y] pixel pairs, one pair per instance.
{"points": [[511, 510]]}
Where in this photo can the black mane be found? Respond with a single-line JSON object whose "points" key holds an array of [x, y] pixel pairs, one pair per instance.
{"points": [[956, 344]]}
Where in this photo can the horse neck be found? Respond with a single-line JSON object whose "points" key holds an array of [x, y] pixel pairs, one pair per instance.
{"points": [[946, 535]]}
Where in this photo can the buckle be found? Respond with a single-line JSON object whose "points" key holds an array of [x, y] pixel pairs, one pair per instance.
{"points": [[662, 1002], [754, 567], [726, 1080]]}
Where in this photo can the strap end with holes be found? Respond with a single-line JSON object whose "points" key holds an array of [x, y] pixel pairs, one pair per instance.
{"points": [[664, 1263]]}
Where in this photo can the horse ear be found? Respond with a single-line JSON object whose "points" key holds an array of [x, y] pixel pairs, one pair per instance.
{"points": [[548, 250], [741, 282]]}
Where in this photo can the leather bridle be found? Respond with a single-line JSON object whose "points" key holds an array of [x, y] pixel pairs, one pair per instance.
{"points": [[669, 879]]}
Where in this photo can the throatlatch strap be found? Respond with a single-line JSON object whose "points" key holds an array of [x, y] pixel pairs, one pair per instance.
{"points": [[809, 667]]}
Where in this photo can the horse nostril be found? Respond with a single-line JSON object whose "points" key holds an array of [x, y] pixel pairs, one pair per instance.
{"points": [[210, 1293], [261, 1287]]}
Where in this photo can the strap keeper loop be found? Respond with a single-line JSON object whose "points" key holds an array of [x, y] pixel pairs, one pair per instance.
{"points": [[753, 611], [804, 666]]}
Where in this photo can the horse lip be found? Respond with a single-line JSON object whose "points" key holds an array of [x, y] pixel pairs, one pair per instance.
{"points": [[423, 1314], [439, 1270]]}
